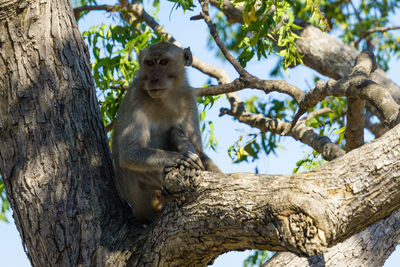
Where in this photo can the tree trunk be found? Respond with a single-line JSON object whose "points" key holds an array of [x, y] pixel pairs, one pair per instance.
{"points": [[54, 154], [58, 174]]}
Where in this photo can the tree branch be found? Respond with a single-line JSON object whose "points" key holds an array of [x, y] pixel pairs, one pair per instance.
{"points": [[313, 211], [322, 144], [108, 8], [370, 247], [205, 6], [370, 31], [354, 133], [358, 85], [321, 52]]}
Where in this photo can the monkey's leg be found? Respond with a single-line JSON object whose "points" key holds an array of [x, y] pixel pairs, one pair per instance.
{"points": [[209, 165], [159, 199]]}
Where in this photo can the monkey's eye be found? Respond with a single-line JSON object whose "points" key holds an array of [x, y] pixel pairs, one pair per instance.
{"points": [[164, 61], [149, 62]]}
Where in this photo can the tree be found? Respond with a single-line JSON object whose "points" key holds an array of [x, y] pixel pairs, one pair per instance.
{"points": [[58, 174]]}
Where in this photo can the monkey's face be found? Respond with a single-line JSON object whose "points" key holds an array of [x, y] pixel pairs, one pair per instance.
{"points": [[162, 68], [162, 75]]}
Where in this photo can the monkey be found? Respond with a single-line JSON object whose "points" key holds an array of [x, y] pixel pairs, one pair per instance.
{"points": [[157, 127]]}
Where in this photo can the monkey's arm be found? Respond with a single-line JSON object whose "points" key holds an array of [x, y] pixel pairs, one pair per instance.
{"points": [[180, 141], [135, 153], [146, 159], [191, 129]]}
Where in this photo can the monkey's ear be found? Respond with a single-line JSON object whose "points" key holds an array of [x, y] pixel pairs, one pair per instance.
{"points": [[140, 57], [187, 57]]}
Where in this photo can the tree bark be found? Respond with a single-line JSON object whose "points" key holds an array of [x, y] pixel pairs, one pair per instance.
{"points": [[55, 163], [53, 148], [370, 247], [334, 59]]}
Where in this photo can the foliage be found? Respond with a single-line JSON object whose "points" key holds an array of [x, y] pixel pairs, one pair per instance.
{"points": [[268, 28], [309, 163], [4, 204], [257, 258], [250, 144], [114, 52], [207, 127]]}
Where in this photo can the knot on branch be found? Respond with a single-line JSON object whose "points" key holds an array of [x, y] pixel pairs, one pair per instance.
{"points": [[178, 180], [299, 232]]}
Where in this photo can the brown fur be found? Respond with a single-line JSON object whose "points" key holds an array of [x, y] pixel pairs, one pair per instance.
{"points": [[157, 127]]}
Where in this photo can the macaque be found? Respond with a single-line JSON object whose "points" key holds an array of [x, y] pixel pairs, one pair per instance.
{"points": [[157, 128]]}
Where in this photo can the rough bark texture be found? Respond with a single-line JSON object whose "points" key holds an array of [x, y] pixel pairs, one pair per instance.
{"points": [[53, 149], [55, 164], [370, 247], [311, 211], [354, 132]]}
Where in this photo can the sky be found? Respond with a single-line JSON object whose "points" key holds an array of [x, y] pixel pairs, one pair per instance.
{"points": [[195, 35]]}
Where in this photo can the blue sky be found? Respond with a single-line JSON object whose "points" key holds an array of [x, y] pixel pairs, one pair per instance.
{"points": [[195, 35]]}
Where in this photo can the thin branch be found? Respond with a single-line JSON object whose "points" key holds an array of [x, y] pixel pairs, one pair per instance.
{"points": [[317, 113], [377, 129], [108, 8], [374, 30], [138, 9], [234, 86], [356, 11], [279, 86], [234, 14], [253, 82], [322, 144], [205, 7]]}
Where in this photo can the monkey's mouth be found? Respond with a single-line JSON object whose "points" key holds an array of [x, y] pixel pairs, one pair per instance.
{"points": [[156, 93], [157, 90]]}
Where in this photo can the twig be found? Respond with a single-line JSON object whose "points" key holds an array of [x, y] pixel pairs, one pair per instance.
{"points": [[317, 113], [108, 8], [205, 7], [370, 31]]}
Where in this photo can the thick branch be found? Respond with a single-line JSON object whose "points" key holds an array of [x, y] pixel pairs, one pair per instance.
{"points": [[357, 85], [304, 213], [329, 56], [321, 52], [354, 133], [370, 247]]}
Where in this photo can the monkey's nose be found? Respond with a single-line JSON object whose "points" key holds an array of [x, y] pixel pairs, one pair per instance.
{"points": [[154, 80]]}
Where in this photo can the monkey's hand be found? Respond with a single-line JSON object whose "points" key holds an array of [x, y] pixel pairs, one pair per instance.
{"points": [[188, 160], [178, 176], [178, 180]]}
